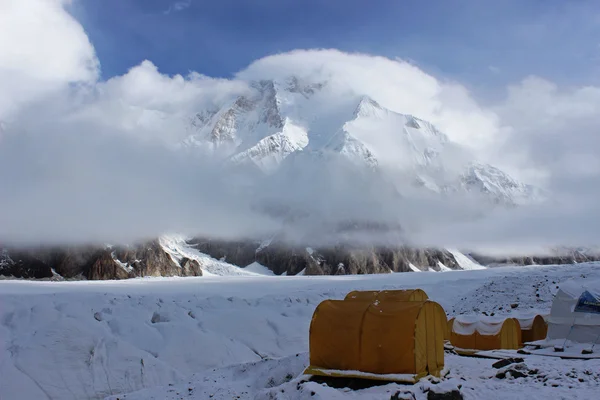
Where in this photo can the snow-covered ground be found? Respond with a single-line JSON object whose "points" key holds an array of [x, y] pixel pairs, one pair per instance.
{"points": [[244, 336]]}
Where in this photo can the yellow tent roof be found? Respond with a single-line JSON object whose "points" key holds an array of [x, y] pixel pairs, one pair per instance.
{"points": [[395, 295]]}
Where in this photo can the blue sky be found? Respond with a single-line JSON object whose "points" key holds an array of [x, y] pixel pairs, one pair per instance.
{"points": [[483, 44]]}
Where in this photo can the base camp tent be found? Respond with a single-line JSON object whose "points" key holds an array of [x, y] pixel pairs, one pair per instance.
{"points": [[396, 295], [392, 340], [533, 327], [485, 333], [448, 328], [575, 313]]}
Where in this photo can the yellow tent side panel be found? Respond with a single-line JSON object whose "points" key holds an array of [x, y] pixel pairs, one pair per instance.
{"points": [[508, 337], [537, 331], [463, 341], [391, 340]]}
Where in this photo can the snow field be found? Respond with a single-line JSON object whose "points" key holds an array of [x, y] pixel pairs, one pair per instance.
{"points": [[89, 340]]}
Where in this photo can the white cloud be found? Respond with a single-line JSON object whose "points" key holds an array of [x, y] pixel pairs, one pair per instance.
{"points": [[151, 105], [178, 6], [555, 130], [395, 84], [41, 48], [88, 161]]}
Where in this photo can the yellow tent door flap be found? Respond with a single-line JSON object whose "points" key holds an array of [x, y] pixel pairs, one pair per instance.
{"points": [[392, 340], [535, 329]]}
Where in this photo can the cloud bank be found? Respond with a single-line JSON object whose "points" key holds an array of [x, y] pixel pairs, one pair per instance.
{"points": [[84, 160]]}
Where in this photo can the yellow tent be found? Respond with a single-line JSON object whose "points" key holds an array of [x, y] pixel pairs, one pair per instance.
{"points": [[533, 328], [381, 295], [393, 341], [478, 333], [448, 328]]}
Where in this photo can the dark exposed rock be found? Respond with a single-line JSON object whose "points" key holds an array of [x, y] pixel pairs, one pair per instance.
{"points": [[21, 264], [341, 259], [512, 373], [515, 371], [234, 252], [150, 259], [158, 317], [190, 267], [451, 395], [403, 395], [292, 260], [507, 361], [94, 263], [562, 256], [105, 267]]}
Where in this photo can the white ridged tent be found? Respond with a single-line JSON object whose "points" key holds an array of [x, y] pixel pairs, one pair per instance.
{"points": [[575, 313]]}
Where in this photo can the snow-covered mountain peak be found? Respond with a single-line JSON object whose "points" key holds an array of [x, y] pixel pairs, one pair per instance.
{"points": [[367, 107], [295, 116]]}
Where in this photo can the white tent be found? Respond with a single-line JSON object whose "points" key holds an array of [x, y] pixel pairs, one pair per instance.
{"points": [[575, 313]]}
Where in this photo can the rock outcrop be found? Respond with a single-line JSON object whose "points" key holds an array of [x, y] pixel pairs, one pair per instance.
{"points": [[151, 259], [560, 257], [89, 262], [347, 260]]}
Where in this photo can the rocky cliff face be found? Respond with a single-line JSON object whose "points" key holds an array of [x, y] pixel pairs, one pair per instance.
{"points": [[177, 257], [338, 260], [563, 257], [89, 262]]}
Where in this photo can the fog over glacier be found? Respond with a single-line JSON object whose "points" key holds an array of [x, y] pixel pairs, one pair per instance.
{"points": [[90, 160]]}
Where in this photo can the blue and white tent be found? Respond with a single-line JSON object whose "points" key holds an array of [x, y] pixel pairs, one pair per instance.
{"points": [[575, 313]]}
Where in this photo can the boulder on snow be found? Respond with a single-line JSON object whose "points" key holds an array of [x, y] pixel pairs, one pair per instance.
{"points": [[507, 361], [403, 395], [448, 395], [515, 371]]}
